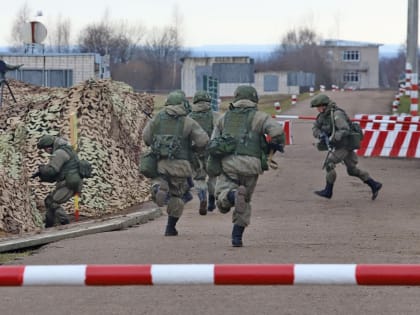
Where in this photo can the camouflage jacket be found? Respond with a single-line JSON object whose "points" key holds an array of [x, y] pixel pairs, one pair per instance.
{"points": [[262, 124], [192, 130], [335, 123]]}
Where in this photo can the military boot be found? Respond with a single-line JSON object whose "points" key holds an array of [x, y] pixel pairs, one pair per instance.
{"points": [[212, 204], [49, 219], [170, 227], [202, 196], [327, 192], [237, 233], [187, 197], [375, 186]]}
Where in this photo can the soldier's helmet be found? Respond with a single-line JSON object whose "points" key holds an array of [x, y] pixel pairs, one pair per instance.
{"points": [[175, 98], [246, 92], [320, 99], [201, 96], [45, 141]]}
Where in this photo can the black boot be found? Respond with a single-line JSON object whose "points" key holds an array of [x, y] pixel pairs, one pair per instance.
{"points": [[327, 192], [212, 204], [187, 197], [231, 197], [49, 220], [170, 227], [237, 232], [202, 196], [375, 186]]}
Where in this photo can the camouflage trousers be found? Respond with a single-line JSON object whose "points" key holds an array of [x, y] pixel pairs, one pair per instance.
{"points": [[229, 182], [350, 160], [61, 194], [176, 187]]}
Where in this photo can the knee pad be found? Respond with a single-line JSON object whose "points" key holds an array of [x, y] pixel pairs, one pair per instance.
{"points": [[221, 208]]}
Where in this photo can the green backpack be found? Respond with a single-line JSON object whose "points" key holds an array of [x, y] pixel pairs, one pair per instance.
{"points": [[85, 169]]}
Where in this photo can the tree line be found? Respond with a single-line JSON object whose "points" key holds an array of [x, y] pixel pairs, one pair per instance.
{"points": [[150, 60]]}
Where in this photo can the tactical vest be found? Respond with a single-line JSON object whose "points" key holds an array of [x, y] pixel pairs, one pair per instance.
{"points": [[168, 141], [238, 124], [205, 119], [72, 165]]}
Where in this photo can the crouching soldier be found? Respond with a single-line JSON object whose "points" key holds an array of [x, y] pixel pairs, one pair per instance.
{"points": [[63, 169]]}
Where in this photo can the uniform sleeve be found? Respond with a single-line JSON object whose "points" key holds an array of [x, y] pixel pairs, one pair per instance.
{"points": [[218, 127], [316, 129], [147, 133], [198, 134], [342, 127], [274, 130]]}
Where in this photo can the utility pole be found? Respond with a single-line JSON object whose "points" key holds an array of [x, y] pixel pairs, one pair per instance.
{"points": [[412, 48]]}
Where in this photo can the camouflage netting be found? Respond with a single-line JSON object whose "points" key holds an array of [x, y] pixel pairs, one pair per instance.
{"points": [[111, 118]]}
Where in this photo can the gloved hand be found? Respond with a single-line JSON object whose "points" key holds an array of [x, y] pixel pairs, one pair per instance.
{"points": [[36, 174], [276, 147], [323, 137]]}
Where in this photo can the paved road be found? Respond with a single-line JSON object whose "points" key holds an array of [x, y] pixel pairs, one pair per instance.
{"points": [[289, 225]]}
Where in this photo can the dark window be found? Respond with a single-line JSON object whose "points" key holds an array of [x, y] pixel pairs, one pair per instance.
{"points": [[351, 77], [351, 55]]}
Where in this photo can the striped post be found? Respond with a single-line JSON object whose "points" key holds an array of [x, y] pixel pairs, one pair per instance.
{"points": [[322, 88], [277, 107], [223, 274], [311, 91], [294, 99], [395, 104], [401, 90], [408, 70], [414, 95]]}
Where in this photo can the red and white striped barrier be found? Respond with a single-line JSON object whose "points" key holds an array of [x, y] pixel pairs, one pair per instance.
{"points": [[384, 135], [223, 274], [382, 121], [390, 144], [287, 130]]}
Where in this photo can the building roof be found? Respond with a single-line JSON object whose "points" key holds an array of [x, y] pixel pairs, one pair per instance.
{"points": [[347, 43]]}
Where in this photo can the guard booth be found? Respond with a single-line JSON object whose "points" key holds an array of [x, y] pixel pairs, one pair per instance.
{"points": [[211, 85]]}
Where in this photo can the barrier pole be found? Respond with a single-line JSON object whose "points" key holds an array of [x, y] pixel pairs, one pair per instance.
{"points": [[221, 274]]}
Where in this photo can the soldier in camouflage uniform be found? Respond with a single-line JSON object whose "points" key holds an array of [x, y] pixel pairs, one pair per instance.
{"points": [[207, 118], [332, 128], [63, 168], [241, 169], [171, 135]]}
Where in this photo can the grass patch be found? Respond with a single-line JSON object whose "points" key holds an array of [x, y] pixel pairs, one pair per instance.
{"points": [[8, 257], [404, 107]]}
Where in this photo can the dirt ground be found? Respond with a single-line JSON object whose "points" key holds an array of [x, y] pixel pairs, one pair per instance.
{"points": [[289, 224]]}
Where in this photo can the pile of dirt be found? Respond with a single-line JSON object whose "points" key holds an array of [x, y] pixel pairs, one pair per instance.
{"points": [[110, 120]]}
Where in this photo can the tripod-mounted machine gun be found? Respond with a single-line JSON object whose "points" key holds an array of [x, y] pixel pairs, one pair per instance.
{"points": [[4, 67]]}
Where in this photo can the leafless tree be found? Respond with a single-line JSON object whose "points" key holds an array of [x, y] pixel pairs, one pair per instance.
{"points": [[117, 39], [299, 51], [59, 38], [16, 36]]}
